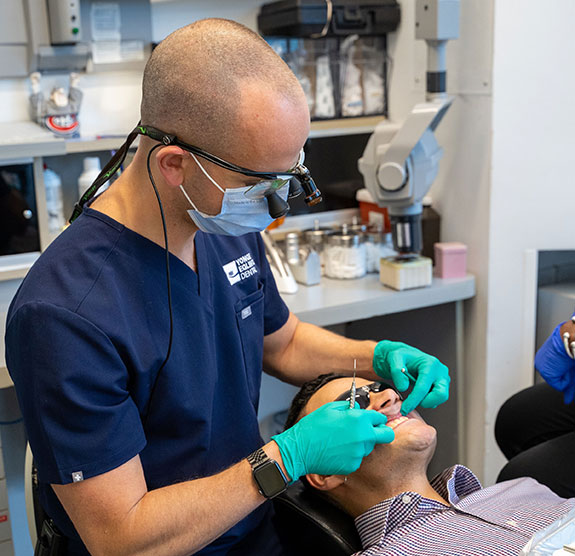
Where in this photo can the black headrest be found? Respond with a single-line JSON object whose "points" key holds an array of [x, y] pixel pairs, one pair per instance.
{"points": [[310, 525]]}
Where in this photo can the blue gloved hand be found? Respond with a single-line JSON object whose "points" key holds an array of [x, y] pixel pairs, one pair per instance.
{"points": [[555, 366], [432, 377], [332, 440]]}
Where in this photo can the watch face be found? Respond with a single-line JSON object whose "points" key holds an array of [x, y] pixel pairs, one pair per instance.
{"points": [[270, 479]]}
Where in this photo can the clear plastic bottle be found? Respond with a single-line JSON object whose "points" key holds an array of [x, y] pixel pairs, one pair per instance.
{"points": [[91, 171], [54, 201]]}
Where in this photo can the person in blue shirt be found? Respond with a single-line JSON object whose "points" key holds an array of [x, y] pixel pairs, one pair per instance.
{"points": [[140, 401], [545, 449]]}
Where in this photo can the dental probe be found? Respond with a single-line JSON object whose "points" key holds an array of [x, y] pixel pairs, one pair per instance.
{"points": [[408, 375], [352, 389]]}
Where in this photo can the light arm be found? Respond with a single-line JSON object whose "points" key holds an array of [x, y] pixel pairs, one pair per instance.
{"points": [[400, 163]]}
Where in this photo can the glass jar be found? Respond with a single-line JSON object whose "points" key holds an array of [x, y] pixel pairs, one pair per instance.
{"points": [[345, 255], [315, 238], [377, 246]]}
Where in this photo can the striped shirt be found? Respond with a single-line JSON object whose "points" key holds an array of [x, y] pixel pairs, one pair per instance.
{"points": [[493, 521]]}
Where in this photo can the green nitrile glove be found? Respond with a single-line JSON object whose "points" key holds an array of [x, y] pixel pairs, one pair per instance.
{"points": [[332, 440], [432, 376]]}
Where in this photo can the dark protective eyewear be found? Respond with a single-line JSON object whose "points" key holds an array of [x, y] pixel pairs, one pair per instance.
{"points": [[300, 180], [363, 392]]}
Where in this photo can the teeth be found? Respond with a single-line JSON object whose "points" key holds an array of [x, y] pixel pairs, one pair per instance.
{"points": [[396, 422]]}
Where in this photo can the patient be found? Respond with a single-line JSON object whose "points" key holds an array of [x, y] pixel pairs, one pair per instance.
{"points": [[398, 511]]}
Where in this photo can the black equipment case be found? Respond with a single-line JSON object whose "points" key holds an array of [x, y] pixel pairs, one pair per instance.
{"points": [[304, 18]]}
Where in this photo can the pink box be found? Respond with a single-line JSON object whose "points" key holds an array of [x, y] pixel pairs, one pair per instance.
{"points": [[450, 260]]}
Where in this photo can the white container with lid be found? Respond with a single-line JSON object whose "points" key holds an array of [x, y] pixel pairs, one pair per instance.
{"points": [[91, 171]]}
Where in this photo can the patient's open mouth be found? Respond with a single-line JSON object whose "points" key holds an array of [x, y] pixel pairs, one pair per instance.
{"points": [[393, 421]]}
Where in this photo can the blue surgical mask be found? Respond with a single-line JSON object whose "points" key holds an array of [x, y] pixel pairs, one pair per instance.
{"points": [[240, 213]]}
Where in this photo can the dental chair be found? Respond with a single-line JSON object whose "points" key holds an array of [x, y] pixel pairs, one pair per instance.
{"points": [[310, 525]]}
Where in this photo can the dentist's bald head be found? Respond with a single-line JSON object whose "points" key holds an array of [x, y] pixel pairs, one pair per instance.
{"points": [[203, 81]]}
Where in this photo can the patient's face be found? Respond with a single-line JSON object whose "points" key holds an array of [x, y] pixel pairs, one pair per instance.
{"points": [[414, 438]]}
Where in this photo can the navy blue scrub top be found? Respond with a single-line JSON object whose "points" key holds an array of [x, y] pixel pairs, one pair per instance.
{"points": [[87, 332]]}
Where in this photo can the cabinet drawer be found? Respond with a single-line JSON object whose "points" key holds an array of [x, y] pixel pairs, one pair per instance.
{"points": [[6, 548], [5, 530]]}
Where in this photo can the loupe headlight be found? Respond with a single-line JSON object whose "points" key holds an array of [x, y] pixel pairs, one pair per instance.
{"points": [[298, 184], [310, 190]]}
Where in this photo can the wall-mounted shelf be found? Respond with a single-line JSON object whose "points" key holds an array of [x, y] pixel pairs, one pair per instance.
{"points": [[344, 126], [27, 139], [93, 144]]}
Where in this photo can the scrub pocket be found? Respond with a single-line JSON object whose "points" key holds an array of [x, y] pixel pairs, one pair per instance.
{"points": [[250, 319]]}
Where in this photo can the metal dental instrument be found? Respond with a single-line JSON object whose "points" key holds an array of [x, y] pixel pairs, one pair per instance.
{"points": [[352, 389], [408, 375]]}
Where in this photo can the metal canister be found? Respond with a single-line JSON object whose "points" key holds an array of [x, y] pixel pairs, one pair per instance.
{"points": [[292, 247], [315, 238], [357, 226], [345, 255]]}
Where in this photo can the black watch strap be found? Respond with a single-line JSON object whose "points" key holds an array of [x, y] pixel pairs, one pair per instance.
{"points": [[257, 458]]}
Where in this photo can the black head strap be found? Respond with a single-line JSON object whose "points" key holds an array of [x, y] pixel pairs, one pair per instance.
{"points": [[116, 162]]}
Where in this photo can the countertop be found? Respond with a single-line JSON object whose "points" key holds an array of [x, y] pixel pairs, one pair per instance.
{"points": [[337, 301]]}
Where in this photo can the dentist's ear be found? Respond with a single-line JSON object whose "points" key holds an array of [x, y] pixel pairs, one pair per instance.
{"points": [[171, 162], [326, 482]]}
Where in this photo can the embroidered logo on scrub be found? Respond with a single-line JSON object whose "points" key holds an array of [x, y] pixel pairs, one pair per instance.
{"points": [[241, 268], [77, 476]]}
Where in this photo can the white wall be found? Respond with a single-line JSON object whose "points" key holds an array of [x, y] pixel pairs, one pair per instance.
{"points": [[462, 194], [505, 188], [532, 184]]}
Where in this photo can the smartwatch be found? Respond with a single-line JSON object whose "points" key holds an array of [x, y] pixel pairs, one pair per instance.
{"points": [[267, 473]]}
